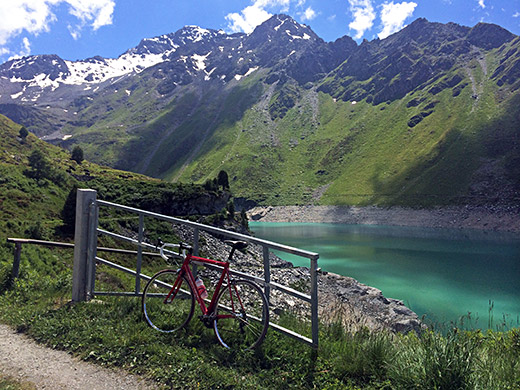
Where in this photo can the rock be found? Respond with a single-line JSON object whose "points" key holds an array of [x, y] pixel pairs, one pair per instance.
{"points": [[340, 298]]}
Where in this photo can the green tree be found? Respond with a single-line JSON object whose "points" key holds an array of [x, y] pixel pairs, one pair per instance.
{"points": [[243, 218], [223, 180], [68, 213], [23, 133], [231, 209], [40, 167], [209, 185], [77, 154]]}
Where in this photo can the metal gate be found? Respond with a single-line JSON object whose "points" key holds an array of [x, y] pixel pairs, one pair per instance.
{"points": [[85, 257]]}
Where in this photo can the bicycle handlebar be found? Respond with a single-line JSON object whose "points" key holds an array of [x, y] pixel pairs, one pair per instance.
{"points": [[164, 245], [182, 247]]}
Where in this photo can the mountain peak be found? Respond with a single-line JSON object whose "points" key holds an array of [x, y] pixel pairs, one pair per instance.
{"points": [[489, 36], [155, 45], [196, 33], [284, 26]]}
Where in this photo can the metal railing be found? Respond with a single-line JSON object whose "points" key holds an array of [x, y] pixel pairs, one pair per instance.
{"points": [[85, 257], [18, 242]]}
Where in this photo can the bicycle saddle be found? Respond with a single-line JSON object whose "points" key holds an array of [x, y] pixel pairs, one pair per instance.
{"points": [[240, 245]]}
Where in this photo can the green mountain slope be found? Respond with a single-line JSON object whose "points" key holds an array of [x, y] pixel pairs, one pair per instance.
{"points": [[31, 202], [36, 200], [427, 116], [445, 144], [451, 139]]}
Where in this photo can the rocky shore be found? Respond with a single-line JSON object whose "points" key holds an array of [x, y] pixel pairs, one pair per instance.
{"points": [[497, 218], [354, 303], [341, 299]]}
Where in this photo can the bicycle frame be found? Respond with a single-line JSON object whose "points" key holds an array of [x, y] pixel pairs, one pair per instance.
{"points": [[239, 321], [186, 271]]}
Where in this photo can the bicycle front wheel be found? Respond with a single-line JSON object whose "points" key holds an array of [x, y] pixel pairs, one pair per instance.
{"points": [[242, 316], [166, 310]]}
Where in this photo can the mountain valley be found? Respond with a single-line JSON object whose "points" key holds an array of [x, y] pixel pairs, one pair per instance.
{"points": [[428, 116]]}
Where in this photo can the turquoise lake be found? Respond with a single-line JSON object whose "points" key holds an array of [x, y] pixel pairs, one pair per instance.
{"points": [[441, 274]]}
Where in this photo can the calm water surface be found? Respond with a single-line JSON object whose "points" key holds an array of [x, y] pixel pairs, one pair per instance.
{"points": [[442, 274]]}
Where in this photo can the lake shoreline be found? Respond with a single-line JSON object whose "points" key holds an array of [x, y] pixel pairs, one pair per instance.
{"points": [[492, 218]]}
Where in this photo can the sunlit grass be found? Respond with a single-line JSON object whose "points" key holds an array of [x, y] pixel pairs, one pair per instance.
{"points": [[110, 331]]}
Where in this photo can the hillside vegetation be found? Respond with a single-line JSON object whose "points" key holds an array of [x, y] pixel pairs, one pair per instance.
{"points": [[428, 116], [441, 144], [110, 330], [39, 182]]}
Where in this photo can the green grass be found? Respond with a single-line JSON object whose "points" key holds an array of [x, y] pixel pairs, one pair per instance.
{"points": [[111, 332], [364, 153], [9, 383]]}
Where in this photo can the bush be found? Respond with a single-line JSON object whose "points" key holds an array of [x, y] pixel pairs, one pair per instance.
{"points": [[37, 231], [223, 180], [23, 133], [77, 154], [40, 167], [6, 281]]}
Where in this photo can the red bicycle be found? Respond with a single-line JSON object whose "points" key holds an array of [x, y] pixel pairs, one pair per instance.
{"points": [[238, 311]]}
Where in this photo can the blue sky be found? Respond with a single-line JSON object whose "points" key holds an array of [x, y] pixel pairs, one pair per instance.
{"points": [[78, 29]]}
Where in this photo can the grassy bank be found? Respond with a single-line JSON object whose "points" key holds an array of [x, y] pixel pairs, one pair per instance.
{"points": [[110, 332]]}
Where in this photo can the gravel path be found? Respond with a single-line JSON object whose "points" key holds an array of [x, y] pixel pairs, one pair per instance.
{"points": [[21, 358]]}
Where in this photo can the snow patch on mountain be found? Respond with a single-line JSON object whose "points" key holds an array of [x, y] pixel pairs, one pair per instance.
{"points": [[199, 61], [91, 71], [99, 70], [250, 70]]}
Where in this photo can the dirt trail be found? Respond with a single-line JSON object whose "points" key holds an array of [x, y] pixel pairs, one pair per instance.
{"points": [[23, 359]]}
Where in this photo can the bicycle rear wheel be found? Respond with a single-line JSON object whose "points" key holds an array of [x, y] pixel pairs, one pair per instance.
{"points": [[163, 311], [242, 316]]}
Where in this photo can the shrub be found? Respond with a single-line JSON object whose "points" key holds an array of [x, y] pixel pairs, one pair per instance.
{"points": [[40, 167], [23, 133], [77, 154], [223, 180]]}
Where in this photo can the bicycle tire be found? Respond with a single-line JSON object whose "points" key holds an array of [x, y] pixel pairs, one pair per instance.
{"points": [[171, 316], [248, 320]]}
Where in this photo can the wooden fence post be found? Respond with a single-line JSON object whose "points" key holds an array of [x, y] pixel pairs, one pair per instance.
{"points": [[80, 286]]}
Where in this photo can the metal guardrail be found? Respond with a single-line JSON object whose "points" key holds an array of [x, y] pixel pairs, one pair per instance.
{"points": [[18, 242], [85, 256]]}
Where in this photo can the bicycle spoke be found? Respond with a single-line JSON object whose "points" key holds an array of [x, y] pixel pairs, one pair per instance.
{"points": [[166, 310], [242, 316]]}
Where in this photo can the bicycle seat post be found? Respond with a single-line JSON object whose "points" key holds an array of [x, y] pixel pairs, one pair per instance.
{"points": [[231, 253], [240, 245]]}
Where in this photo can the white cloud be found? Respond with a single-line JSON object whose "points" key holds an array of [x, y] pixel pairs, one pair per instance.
{"points": [[247, 19], [26, 46], [516, 14], [309, 14], [24, 51], [255, 14], [33, 16], [99, 12], [364, 16], [75, 31], [481, 4], [36, 16], [393, 16]]}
